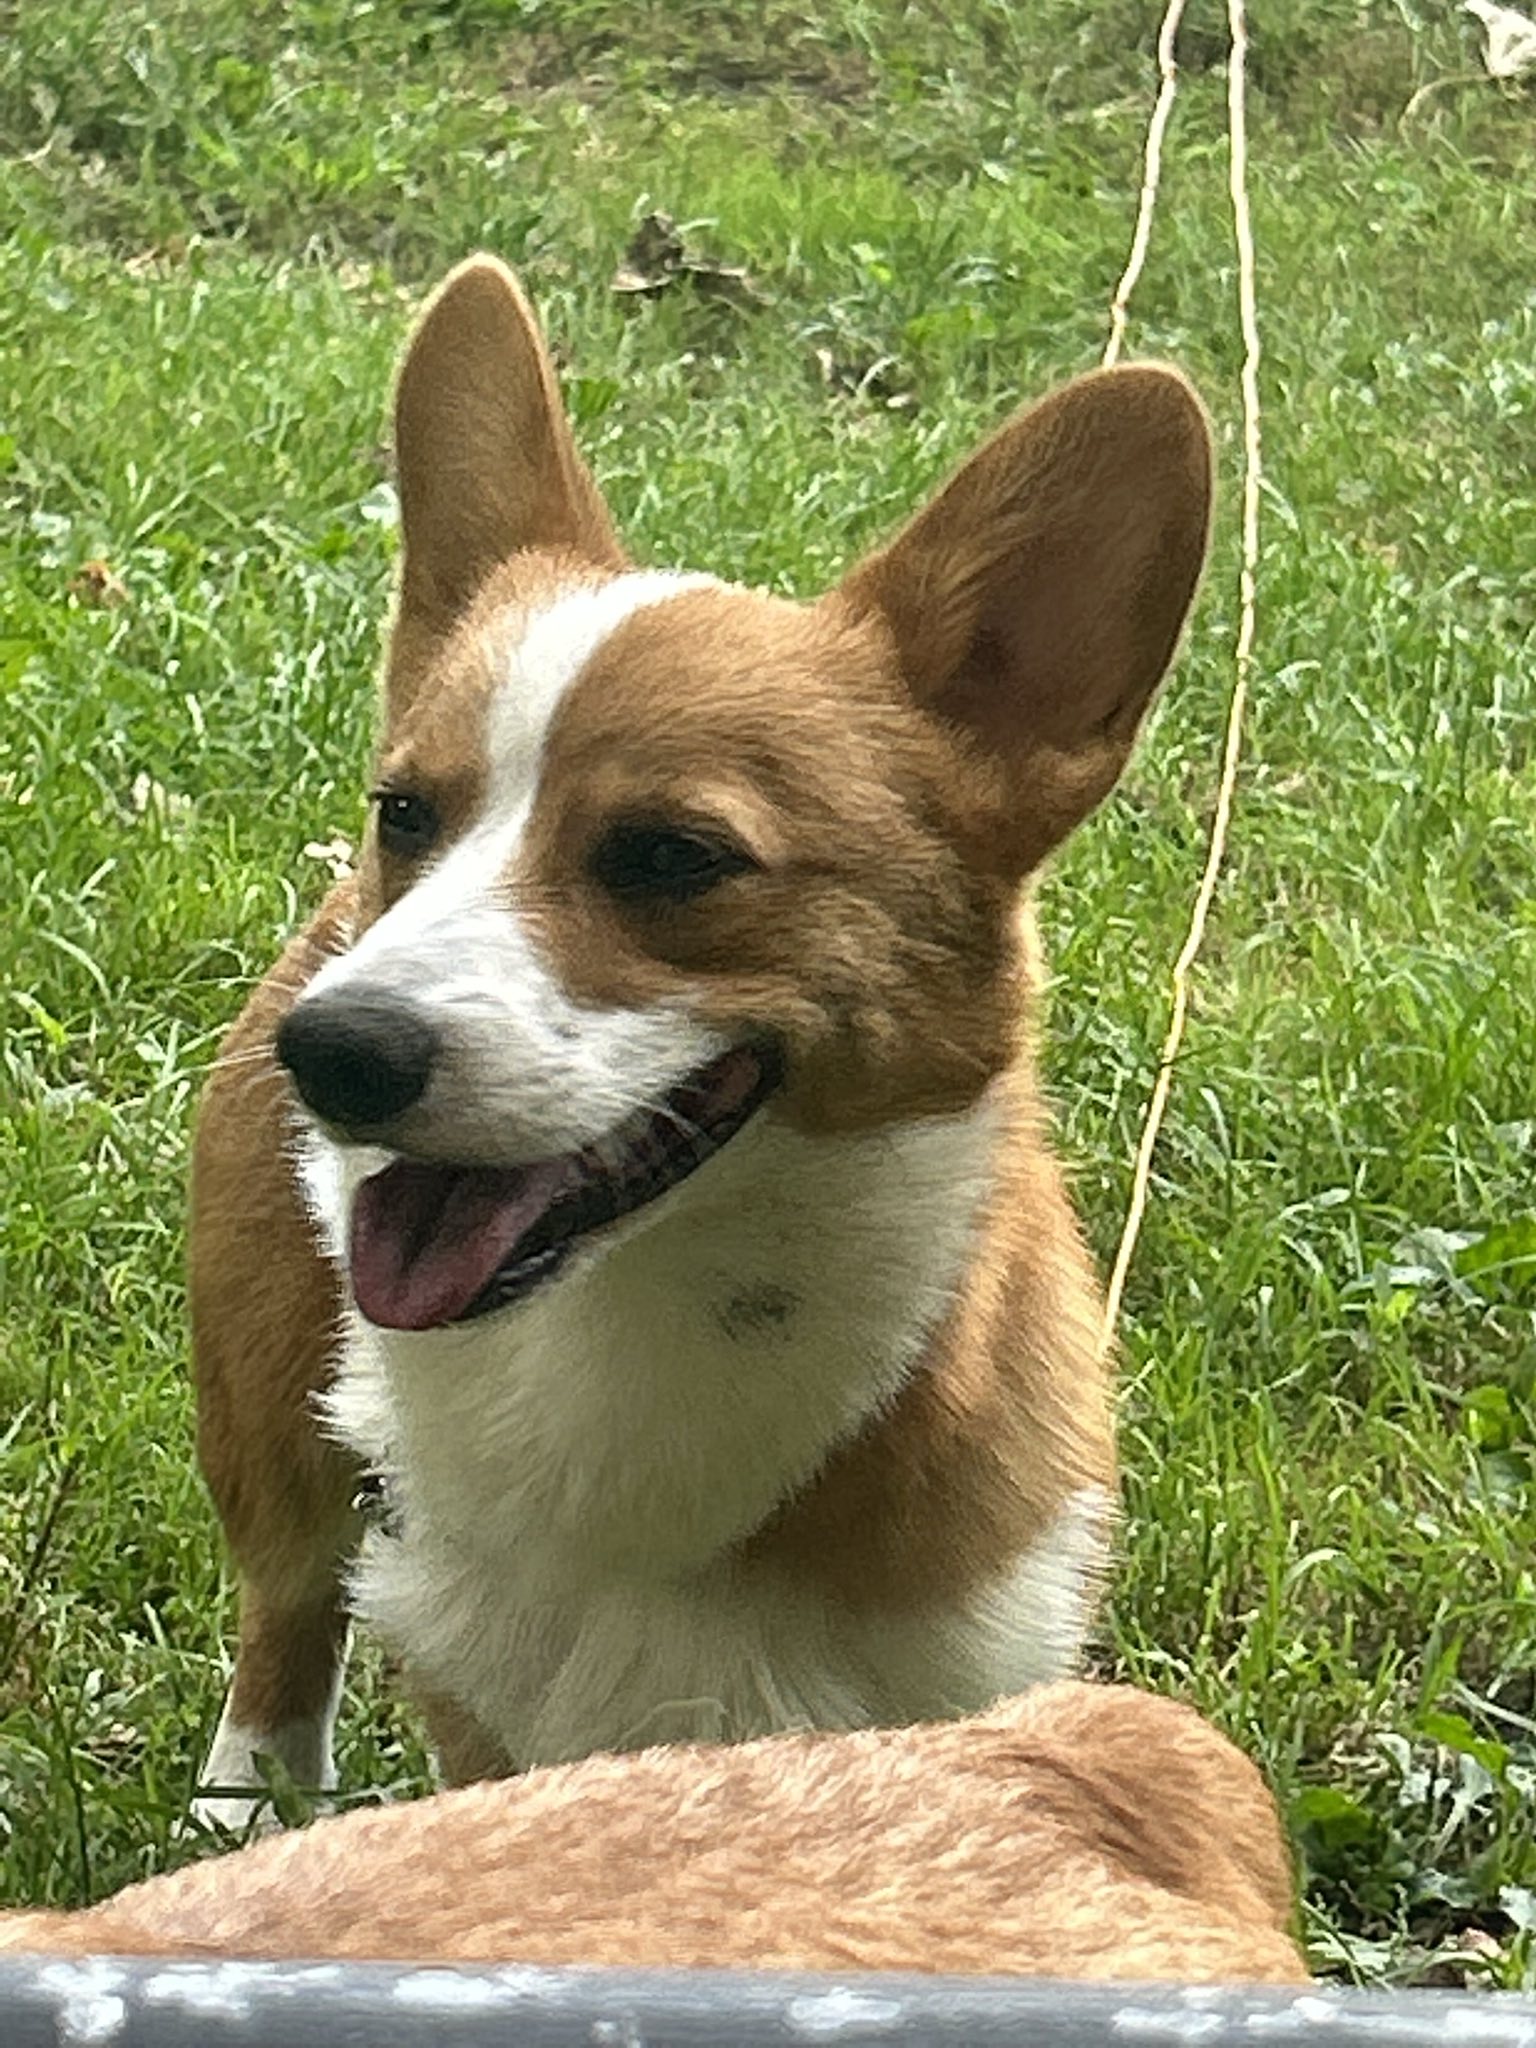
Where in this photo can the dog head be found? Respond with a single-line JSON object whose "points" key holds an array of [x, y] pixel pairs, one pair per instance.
{"points": [[651, 854]]}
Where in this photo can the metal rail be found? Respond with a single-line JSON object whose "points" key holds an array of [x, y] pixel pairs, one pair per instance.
{"points": [[102, 2002]]}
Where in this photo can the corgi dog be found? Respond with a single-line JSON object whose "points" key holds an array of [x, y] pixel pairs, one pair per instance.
{"points": [[642, 1156], [1080, 1832]]}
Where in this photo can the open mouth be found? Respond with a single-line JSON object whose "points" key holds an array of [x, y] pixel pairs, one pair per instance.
{"points": [[432, 1244]]}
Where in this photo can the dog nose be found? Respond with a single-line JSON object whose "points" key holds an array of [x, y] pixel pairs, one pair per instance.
{"points": [[357, 1059]]}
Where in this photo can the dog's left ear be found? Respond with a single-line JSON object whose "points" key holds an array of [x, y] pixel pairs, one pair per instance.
{"points": [[1037, 601]]}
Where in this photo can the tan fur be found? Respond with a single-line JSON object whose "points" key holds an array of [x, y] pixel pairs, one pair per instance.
{"points": [[1080, 1832], [873, 944], [898, 758], [283, 1490], [1013, 1411], [464, 1751]]}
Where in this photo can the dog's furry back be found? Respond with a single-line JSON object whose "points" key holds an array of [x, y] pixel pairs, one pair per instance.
{"points": [[1082, 1831]]}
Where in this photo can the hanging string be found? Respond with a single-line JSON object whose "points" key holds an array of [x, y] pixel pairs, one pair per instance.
{"points": [[1151, 180], [1247, 302]]}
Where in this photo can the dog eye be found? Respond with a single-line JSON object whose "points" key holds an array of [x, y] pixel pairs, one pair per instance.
{"points": [[408, 824], [658, 863]]}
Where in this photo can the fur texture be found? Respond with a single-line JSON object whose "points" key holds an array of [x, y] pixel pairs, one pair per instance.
{"points": [[1087, 1832]]}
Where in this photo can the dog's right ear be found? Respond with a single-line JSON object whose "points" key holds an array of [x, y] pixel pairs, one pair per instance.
{"points": [[485, 458]]}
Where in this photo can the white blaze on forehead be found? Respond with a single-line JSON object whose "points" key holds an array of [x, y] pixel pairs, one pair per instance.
{"points": [[535, 671], [532, 673], [523, 1070]]}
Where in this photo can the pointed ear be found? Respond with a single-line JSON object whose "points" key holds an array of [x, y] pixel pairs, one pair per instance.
{"points": [[485, 458], [1037, 601]]}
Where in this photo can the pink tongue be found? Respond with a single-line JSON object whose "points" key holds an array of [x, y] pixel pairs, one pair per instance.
{"points": [[427, 1239]]}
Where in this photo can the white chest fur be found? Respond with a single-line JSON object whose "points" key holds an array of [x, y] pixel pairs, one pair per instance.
{"points": [[573, 1475]]}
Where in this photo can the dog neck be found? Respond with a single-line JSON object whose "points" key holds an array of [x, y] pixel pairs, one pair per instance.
{"points": [[660, 1400]]}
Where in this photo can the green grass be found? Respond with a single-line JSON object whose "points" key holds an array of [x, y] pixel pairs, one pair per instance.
{"points": [[213, 223]]}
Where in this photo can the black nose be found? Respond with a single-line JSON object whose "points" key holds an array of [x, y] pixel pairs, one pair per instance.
{"points": [[357, 1059]]}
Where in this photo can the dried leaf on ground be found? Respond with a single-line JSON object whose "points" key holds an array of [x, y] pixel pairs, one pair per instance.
{"points": [[877, 378], [658, 256], [97, 583]]}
